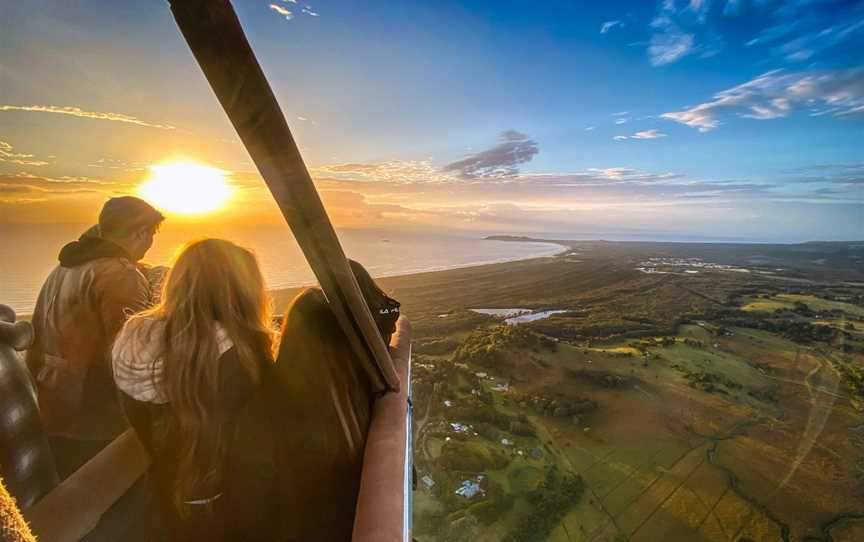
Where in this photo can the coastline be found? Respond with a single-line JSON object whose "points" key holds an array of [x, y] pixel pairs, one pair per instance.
{"points": [[283, 295]]}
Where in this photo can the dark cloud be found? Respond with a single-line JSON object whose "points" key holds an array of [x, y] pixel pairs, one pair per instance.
{"points": [[500, 162]]}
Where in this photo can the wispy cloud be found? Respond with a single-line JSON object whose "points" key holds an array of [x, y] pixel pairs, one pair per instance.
{"points": [[80, 113], [501, 161], [644, 134], [609, 25], [793, 31], [8, 155], [282, 10], [776, 94], [627, 174], [803, 30], [648, 134], [621, 117], [669, 43], [403, 172], [26, 188], [851, 175]]}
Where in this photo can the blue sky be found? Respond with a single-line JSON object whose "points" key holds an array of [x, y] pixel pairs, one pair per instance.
{"points": [[686, 119]]}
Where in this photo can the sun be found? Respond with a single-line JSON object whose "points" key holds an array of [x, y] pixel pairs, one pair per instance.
{"points": [[186, 188]]}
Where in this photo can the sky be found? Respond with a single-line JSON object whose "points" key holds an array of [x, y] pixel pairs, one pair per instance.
{"points": [[704, 120]]}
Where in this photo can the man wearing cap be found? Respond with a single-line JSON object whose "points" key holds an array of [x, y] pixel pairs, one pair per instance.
{"points": [[81, 307]]}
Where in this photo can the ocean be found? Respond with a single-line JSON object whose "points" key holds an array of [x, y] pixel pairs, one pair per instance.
{"points": [[28, 253]]}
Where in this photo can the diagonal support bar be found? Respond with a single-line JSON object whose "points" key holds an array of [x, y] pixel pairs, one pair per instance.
{"points": [[214, 35]]}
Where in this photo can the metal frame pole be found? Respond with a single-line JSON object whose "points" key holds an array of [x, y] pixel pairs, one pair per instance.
{"points": [[214, 35]]}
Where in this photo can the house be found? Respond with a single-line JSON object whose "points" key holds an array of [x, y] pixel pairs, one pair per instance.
{"points": [[460, 427], [470, 489]]}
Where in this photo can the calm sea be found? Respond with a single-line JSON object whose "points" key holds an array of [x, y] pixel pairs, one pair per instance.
{"points": [[29, 252]]}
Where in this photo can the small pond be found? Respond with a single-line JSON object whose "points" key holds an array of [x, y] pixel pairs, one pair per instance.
{"points": [[518, 316]]}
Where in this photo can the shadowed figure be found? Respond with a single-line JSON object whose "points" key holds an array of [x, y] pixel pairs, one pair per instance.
{"points": [[81, 307], [325, 404]]}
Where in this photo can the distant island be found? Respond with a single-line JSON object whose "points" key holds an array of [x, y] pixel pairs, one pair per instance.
{"points": [[515, 238]]}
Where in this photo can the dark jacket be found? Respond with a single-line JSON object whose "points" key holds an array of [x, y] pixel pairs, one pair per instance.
{"points": [[246, 503], [81, 307], [325, 405]]}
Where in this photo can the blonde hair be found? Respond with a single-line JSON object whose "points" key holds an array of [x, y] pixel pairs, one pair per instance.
{"points": [[213, 283]]}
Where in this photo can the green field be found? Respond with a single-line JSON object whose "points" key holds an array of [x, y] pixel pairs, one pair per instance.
{"points": [[711, 406]]}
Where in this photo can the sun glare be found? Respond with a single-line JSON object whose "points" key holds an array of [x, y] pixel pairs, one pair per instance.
{"points": [[186, 188]]}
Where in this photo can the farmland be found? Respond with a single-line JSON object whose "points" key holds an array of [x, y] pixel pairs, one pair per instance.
{"points": [[721, 404]]}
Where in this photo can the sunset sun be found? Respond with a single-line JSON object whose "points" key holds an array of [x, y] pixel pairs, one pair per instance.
{"points": [[186, 188]]}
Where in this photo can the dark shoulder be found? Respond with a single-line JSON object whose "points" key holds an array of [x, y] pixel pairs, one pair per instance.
{"points": [[308, 308], [116, 266], [236, 384], [309, 301], [112, 272]]}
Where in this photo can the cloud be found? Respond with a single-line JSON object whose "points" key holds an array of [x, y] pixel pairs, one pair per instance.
{"points": [[609, 25], [9, 156], [801, 32], [306, 9], [776, 94], [78, 112], [282, 10], [648, 134], [617, 176], [590, 128], [26, 188], [403, 172], [615, 172], [501, 161], [352, 208], [644, 134], [851, 175], [794, 31], [669, 43], [621, 117]]}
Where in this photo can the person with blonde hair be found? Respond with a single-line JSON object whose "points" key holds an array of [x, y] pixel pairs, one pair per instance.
{"points": [[191, 371]]}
